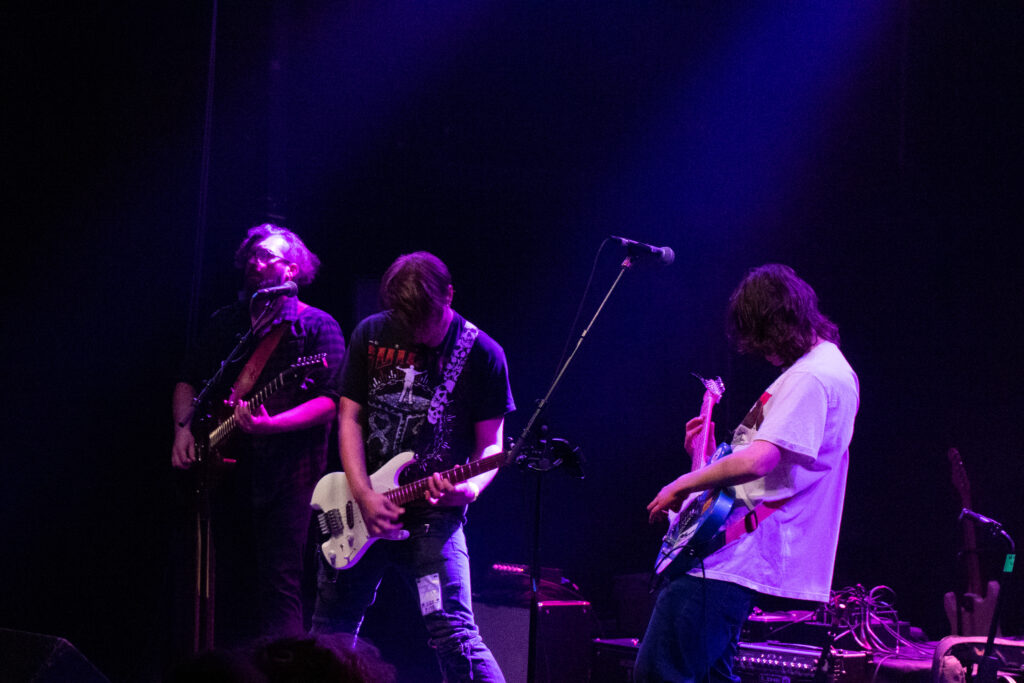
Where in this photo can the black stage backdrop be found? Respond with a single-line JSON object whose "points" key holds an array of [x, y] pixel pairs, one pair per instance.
{"points": [[875, 147]]}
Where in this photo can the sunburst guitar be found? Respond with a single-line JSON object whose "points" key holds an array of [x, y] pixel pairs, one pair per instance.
{"points": [[701, 516]]}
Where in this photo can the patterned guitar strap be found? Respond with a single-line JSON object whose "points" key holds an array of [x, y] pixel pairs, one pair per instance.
{"points": [[452, 371]]}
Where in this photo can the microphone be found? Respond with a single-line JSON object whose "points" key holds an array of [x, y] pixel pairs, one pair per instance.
{"points": [[981, 519], [638, 250], [286, 289]]}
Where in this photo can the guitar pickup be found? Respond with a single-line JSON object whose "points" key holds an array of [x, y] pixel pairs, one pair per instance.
{"points": [[330, 523]]}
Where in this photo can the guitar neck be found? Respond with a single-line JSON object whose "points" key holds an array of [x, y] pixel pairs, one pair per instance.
{"points": [[456, 475], [970, 551], [971, 558], [228, 426], [704, 438]]}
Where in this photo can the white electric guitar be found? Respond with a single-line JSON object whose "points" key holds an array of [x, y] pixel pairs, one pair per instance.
{"points": [[341, 521]]}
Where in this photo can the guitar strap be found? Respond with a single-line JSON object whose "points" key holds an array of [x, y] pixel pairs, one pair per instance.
{"points": [[750, 521], [452, 370], [247, 378], [760, 512]]}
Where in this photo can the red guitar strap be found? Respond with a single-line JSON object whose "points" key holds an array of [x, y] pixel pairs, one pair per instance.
{"points": [[750, 521], [247, 378]]}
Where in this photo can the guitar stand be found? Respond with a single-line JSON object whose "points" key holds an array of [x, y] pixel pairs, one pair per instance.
{"points": [[988, 665], [202, 587]]}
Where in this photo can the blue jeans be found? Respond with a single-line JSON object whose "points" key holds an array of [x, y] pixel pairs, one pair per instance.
{"points": [[437, 548], [693, 632]]}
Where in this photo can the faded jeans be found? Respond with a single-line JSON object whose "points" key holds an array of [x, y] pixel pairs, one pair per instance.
{"points": [[437, 548]]}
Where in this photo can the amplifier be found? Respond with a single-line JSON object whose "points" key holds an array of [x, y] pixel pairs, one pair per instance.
{"points": [[789, 663], [612, 662], [564, 632]]}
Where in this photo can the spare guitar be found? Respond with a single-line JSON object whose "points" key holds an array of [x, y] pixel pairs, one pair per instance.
{"points": [[969, 614], [341, 520], [701, 515], [212, 432]]}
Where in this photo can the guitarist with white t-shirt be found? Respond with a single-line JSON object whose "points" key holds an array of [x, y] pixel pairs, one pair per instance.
{"points": [[787, 471]]}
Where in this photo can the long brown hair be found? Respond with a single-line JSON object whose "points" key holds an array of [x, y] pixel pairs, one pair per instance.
{"points": [[775, 313]]}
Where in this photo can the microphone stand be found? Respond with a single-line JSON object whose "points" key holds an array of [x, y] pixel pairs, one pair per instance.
{"points": [[546, 464], [988, 665], [203, 582]]}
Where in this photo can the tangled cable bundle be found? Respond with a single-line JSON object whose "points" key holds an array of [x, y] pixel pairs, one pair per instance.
{"points": [[871, 620]]}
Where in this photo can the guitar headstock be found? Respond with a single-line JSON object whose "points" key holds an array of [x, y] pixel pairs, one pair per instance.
{"points": [[960, 481], [308, 361], [713, 388]]}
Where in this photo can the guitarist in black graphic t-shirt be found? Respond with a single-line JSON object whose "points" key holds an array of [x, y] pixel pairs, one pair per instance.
{"points": [[418, 378]]}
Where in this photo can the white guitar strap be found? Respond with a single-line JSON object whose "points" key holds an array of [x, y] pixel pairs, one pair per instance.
{"points": [[451, 372]]}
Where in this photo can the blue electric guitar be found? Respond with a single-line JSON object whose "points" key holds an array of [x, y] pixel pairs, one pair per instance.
{"points": [[700, 517]]}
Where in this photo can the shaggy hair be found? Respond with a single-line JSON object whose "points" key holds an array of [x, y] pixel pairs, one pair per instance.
{"points": [[297, 252], [775, 313], [414, 288]]}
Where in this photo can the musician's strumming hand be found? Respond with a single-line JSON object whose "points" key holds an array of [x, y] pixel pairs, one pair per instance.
{"points": [[183, 451], [670, 497], [381, 516], [442, 493]]}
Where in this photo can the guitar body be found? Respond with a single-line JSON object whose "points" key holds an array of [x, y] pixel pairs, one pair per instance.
{"points": [[695, 526], [341, 517], [213, 461], [970, 614]]}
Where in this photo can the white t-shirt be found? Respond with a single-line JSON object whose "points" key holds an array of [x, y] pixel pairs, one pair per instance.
{"points": [[808, 412]]}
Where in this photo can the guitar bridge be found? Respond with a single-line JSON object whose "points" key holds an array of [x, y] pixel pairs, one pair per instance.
{"points": [[330, 523]]}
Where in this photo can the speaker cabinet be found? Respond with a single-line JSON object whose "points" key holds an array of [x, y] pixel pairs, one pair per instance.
{"points": [[36, 658], [564, 632], [613, 660]]}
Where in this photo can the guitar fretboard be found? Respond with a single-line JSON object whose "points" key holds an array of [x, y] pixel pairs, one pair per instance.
{"points": [[418, 489], [227, 427], [704, 437]]}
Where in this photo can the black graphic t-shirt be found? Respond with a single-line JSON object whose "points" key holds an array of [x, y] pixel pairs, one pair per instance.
{"points": [[396, 382]]}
